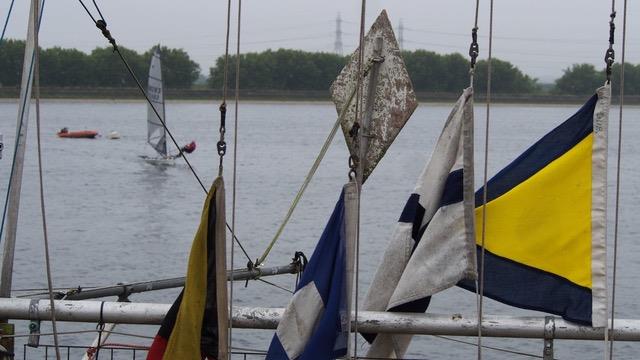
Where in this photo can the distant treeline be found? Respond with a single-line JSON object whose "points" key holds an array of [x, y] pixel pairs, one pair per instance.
{"points": [[300, 70], [429, 72], [100, 68], [581, 79], [293, 70]]}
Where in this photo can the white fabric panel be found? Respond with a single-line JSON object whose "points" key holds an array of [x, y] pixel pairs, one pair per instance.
{"points": [[599, 208], [299, 319], [440, 260]]}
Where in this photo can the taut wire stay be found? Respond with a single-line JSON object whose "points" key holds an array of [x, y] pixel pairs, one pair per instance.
{"points": [[360, 169], [6, 21], [235, 159], [36, 79], [618, 170], [480, 287]]}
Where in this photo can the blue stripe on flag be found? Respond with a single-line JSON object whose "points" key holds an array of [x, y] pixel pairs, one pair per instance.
{"points": [[452, 192], [526, 287]]}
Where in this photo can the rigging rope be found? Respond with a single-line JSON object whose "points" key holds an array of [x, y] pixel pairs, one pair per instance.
{"points": [[618, 168], [307, 179], [102, 25], [94, 331], [36, 30], [275, 285], [474, 49], [226, 55], [6, 21], [609, 58], [507, 351], [100, 328], [360, 171], [235, 160], [485, 176], [221, 146]]}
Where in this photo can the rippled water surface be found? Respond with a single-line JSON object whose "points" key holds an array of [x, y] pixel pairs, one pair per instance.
{"points": [[114, 218]]}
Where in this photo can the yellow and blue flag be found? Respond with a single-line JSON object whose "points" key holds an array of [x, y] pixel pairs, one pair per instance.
{"points": [[545, 229]]}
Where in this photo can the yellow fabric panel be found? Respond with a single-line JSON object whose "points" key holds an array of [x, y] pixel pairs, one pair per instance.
{"points": [[184, 342], [545, 222]]}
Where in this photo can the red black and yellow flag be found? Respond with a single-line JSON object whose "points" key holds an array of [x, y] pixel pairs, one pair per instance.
{"points": [[196, 325]]}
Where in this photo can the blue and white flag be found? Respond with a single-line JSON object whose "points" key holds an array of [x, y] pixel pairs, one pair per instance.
{"points": [[433, 245], [315, 324]]}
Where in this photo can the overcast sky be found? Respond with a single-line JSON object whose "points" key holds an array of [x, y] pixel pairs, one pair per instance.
{"points": [[541, 37]]}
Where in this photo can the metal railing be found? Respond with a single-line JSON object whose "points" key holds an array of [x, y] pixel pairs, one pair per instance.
{"points": [[112, 352]]}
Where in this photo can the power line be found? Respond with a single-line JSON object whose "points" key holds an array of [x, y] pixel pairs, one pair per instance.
{"points": [[518, 38]]}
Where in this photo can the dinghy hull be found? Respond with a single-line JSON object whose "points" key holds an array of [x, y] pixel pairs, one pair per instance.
{"points": [[83, 134]]}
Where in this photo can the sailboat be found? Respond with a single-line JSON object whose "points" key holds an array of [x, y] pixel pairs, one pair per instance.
{"points": [[156, 117], [266, 318]]}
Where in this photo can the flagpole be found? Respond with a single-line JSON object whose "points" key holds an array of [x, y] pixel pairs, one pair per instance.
{"points": [[15, 183], [144, 286]]}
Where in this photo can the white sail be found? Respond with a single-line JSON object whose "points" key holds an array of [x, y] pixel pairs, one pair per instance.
{"points": [[156, 134]]}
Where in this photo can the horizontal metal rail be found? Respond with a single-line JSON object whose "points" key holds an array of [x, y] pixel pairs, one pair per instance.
{"points": [[113, 352], [124, 290], [368, 321]]}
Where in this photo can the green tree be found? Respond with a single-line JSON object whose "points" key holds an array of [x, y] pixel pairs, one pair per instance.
{"points": [[505, 78], [450, 73], [109, 71], [11, 57], [64, 67], [579, 79], [631, 79], [426, 70], [282, 69]]}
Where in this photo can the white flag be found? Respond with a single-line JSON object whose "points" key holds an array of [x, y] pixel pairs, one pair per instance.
{"points": [[433, 246]]}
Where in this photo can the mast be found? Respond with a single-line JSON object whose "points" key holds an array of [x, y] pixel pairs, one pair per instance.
{"points": [[164, 112], [13, 198]]}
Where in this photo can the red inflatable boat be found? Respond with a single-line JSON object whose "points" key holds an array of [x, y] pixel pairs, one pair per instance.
{"points": [[82, 134]]}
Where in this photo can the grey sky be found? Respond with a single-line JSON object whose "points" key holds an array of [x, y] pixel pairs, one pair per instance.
{"points": [[540, 37]]}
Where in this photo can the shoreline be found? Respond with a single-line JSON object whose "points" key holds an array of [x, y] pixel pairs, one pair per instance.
{"points": [[134, 95]]}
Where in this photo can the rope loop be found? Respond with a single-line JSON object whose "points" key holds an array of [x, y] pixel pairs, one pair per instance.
{"points": [[474, 48], [300, 260], [102, 25], [610, 55], [223, 116], [612, 27], [100, 325], [100, 328]]}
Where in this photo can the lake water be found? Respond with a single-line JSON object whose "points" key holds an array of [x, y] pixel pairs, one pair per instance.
{"points": [[114, 218]]}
